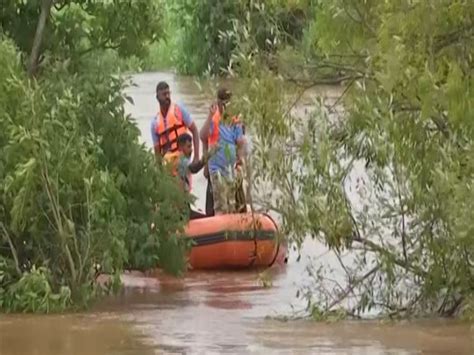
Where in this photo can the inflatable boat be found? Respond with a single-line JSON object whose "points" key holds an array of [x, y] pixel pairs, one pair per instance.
{"points": [[243, 240]]}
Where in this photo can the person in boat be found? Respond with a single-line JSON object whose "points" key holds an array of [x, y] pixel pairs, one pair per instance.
{"points": [[171, 121], [182, 167], [225, 130], [240, 198]]}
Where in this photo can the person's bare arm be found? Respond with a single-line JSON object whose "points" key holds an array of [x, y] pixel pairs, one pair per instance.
{"points": [[195, 132], [205, 150], [195, 167], [205, 129], [205, 147], [204, 134]]}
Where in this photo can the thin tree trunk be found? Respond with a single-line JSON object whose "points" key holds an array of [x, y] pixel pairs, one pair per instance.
{"points": [[35, 50], [12, 248]]}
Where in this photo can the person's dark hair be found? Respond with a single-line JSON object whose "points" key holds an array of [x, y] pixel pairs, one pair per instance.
{"points": [[162, 85], [184, 138], [224, 94]]}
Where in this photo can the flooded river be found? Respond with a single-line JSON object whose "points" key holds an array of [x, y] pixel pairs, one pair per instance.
{"points": [[214, 313]]}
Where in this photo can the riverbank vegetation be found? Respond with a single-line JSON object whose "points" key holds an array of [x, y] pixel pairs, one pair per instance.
{"points": [[78, 192], [383, 174], [198, 35]]}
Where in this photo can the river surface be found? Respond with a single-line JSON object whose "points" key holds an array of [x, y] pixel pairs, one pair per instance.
{"points": [[214, 313]]}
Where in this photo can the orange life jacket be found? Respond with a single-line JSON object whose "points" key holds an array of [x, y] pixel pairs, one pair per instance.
{"points": [[213, 138], [173, 159], [168, 135]]}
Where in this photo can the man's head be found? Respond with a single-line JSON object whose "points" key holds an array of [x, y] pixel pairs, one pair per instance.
{"points": [[185, 144], [223, 98], [163, 94]]}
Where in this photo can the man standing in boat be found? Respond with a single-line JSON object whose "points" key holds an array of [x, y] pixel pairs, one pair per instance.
{"points": [[224, 130], [171, 121]]}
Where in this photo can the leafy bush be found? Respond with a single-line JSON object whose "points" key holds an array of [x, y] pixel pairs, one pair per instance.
{"points": [[199, 34], [383, 175], [33, 293], [78, 190]]}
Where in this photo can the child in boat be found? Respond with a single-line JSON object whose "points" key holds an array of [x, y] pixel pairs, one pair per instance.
{"points": [[182, 166]]}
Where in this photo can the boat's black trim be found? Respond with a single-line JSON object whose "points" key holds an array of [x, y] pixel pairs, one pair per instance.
{"points": [[226, 236]]}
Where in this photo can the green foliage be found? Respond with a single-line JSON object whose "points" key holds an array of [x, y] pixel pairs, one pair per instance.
{"points": [[264, 279], [467, 312], [109, 58], [320, 315], [384, 174], [160, 56], [76, 28], [33, 293], [79, 193], [197, 26], [199, 34]]}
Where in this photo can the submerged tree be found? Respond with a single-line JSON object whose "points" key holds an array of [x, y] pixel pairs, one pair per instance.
{"points": [[384, 174]]}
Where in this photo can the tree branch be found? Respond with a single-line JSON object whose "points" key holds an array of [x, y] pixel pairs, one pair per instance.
{"points": [[361, 20], [339, 99], [352, 286], [378, 249], [324, 81], [59, 7], [402, 211], [453, 37], [331, 65], [457, 303], [39, 34], [56, 208], [12, 248], [102, 45], [298, 98]]}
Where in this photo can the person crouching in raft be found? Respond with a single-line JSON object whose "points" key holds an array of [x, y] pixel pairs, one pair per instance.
{"points": [[183, 168]]}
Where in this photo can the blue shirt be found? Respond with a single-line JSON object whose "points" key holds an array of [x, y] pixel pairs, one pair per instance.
{"points": [[183, 171], [187, 120], [224, 160]]}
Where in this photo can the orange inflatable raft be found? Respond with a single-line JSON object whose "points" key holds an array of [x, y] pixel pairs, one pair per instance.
{"points": [[235, 241]]}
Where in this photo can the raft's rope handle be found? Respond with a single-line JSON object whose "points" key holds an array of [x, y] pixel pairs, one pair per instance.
{"points": [[252, 261], [240, 187], [278, 246]]}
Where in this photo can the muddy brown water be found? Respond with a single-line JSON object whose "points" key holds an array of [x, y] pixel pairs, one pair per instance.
{"points": [[216, 312]]}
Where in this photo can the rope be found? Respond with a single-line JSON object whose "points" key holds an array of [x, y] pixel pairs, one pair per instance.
{"points": [[278, 246]]}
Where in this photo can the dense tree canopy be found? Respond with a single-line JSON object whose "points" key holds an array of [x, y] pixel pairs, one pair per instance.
{"points": [[75, 28]]}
